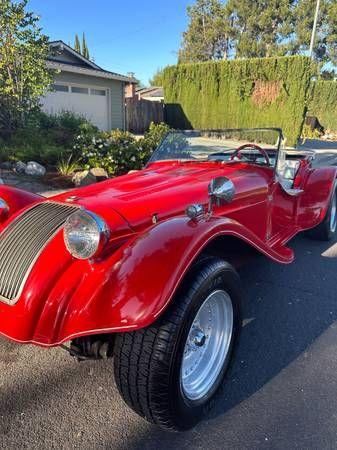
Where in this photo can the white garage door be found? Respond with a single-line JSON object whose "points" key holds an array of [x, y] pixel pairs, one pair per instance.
{"points": [[90, 102]]}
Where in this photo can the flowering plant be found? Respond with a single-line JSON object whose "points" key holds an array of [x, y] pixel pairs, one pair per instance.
{"points": [[116, 152]]}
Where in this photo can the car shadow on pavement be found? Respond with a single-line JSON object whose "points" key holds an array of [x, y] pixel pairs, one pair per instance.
{"points": [[286, 308]]}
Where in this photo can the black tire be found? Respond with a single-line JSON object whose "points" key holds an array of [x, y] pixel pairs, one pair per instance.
{"points": [[324, 231], [148, 362]]}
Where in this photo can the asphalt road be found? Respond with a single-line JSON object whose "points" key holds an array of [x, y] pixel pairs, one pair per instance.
{"points": [[281, 392]]}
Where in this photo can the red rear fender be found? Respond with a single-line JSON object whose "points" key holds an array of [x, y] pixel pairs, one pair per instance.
{"points": [[315, 200]]}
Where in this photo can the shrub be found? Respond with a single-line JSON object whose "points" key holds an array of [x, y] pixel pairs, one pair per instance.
{"points": [[152, 138], [308, 133], [48, 154], [67, 167], [117, 152], [47, 139], [84, 139], [61, 129], [257, 92], [5, 153], [323, 103]]}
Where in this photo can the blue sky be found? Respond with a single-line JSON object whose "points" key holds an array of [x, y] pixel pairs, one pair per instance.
{"points": [[123, 36]]}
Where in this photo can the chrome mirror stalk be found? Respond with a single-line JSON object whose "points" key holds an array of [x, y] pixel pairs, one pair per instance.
{"points": [[220, 188]]}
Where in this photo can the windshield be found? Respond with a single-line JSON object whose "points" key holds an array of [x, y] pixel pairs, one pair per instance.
{"points": [[220, 145]]}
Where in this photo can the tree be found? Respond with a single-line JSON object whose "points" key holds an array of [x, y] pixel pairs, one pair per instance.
{"points": [[85, 50], [24, 76], [331, 38], [258, 28], [157, 79], [325, 49], [239, 28], [303, 24], [209, 34], [262, 27], [77, 45], [82, 49]]}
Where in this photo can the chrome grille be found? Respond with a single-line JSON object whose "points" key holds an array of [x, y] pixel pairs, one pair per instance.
{"points": [[22, 242]]}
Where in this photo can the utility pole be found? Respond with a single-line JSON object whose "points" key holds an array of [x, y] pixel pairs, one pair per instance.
{"points": [[312, 43]]}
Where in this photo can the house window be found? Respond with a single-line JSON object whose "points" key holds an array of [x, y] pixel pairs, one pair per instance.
{"points": [[60, 88], [98, 92], [79, 90]]}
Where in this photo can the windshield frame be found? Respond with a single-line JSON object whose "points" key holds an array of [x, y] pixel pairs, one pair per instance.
{"points": [[220, 130]]}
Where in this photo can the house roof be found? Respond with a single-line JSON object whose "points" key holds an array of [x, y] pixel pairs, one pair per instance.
{"points": [[153, 91], [85, 66]]}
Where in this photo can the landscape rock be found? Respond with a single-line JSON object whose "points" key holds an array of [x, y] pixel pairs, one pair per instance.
{"points": [[83, 178], [35, 169], [99, 173], [1, 181], [20, 167]]}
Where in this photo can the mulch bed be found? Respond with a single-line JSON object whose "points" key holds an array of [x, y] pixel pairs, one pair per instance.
{"points": [[56, 180]]}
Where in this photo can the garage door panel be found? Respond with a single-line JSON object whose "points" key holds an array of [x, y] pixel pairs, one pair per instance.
{"points": [[92, 105]]}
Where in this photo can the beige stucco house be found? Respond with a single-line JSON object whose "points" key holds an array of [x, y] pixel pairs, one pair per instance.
{"points": [[81, 86]]}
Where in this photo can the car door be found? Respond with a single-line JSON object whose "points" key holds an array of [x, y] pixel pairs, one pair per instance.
{"points": [[283, 198], [250, 206]]}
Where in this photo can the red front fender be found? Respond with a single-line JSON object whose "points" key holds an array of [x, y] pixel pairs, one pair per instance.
{"points": [[66, 298], [17, 199]]}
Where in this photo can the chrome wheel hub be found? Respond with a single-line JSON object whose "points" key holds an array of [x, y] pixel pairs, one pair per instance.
{"points": [[333, 215], [207, 345]]}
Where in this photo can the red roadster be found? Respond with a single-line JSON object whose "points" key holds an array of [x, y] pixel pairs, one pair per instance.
{"points": [[141, 268]]}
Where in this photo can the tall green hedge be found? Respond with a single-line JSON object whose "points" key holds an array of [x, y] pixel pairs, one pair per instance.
{"points": [[323, 103], [223, 94]]}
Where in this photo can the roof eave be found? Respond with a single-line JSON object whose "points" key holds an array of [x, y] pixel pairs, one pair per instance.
{"points": [[75, 53], [90, 72]]}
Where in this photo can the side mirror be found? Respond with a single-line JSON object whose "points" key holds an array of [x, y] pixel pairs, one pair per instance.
{"points": [[220, 188]]}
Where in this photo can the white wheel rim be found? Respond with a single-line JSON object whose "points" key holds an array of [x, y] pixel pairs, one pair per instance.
{"points": [[207, 345], [333, 217]]}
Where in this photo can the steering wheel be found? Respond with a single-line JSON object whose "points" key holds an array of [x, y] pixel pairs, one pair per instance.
{"points": [[237, 153]]}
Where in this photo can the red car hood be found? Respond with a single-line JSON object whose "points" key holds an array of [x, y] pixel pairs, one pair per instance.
{"points": [[161, 189]]}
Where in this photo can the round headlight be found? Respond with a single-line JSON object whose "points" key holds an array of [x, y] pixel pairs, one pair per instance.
{"points": [[85, 234], [4, 209]]}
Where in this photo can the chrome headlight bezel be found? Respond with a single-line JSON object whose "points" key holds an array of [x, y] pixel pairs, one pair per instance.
{"points": [[4, 209], [93, 241]]}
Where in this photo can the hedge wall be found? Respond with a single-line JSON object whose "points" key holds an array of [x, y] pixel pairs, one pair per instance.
{"points": [[241, 93], [323, 103]]}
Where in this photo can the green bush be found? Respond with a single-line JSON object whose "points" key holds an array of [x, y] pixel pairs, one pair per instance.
{"points": [[48, 155], [117, 152], [308, 133], [152, 138], [83, 140], [51, 141], [265, 92], [46, 139], [322, 103]]}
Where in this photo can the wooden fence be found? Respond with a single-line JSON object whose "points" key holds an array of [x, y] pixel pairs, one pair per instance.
{"points": [[140, 113]]}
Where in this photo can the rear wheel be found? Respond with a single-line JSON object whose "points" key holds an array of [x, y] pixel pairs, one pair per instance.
{"points": [[326, 230], [170, 372]]}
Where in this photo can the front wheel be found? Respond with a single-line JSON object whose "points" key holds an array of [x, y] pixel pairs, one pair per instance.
{"points": [[170, 372]]}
